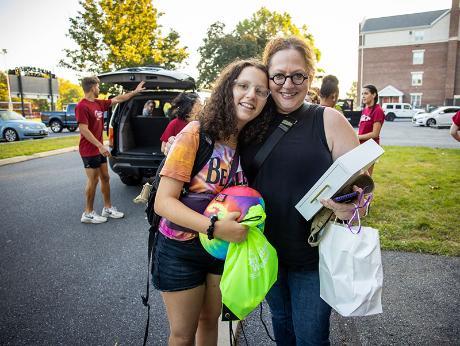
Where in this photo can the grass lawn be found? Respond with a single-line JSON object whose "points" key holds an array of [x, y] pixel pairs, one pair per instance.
{"points": [[417, 201], [33, 146]]}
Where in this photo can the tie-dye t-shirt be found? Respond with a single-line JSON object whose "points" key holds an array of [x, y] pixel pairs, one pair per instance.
{"points": [[212, 177]]}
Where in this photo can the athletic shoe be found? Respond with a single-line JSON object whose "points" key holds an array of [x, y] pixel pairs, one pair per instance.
{"points": [[144, 195], [92, 217], [112, 212]]}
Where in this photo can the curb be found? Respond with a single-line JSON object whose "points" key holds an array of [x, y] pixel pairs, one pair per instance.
{"points": [[17, 159], [23, 158]]}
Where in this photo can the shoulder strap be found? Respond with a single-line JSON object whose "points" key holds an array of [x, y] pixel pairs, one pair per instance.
{"points": [[204, 152], [274, 138]]}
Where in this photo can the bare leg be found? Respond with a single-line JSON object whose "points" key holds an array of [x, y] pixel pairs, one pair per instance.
{"points": [[206, 334], [183, 309], [90, 190], [105, 184]]}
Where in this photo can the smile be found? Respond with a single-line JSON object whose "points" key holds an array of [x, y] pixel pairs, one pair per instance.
{"points": [[247, 105]]}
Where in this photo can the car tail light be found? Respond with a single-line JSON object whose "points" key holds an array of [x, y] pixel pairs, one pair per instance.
{"points": [[111, 137]]}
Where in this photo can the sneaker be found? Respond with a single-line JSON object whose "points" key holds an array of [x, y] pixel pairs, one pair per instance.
{"points": [[144, 195], [112, 212], [92, 218]]}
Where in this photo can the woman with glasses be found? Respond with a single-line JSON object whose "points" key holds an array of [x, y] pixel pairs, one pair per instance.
{"points": [[319, 136], [184, 272]]}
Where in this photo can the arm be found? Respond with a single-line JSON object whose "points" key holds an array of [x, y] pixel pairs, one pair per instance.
{"points": [[455, 131], [376, 127], [127, 96], [168, 205], [85, 132], [341, 138], [163, 146]]}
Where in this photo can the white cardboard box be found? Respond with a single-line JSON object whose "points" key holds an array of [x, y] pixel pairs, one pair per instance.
{"points": [[341, 173]]}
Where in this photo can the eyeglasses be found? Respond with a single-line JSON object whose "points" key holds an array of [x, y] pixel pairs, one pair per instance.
{"points": [[244, 87], [296, 78]]}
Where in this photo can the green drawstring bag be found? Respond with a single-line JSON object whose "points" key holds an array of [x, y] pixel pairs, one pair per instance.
{"points": [[251, 267]]}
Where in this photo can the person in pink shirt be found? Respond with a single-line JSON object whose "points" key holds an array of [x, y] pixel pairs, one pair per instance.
{"points": [[455, 128], [372, 117]]}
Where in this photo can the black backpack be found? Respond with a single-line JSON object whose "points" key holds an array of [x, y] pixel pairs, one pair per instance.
{"points": [[203, 154]]}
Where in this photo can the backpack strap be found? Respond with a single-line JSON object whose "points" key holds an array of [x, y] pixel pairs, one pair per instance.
{"points": [[203, 154]]}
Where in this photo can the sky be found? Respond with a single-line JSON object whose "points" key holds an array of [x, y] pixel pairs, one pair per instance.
{"points": [[34, 31]]}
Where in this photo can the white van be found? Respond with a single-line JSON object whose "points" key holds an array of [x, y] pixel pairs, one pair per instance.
{"points": [[398, 110]]}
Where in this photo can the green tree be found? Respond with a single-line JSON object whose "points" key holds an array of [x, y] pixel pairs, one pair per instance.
{"points": [[353, 93], [247, 40], [113, 34], [68, 93], [3, 88]]}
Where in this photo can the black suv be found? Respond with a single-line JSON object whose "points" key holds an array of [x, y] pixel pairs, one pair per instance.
{"points": [[135, 138]]}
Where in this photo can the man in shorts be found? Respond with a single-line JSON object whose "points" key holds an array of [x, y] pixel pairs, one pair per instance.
{"points": [[90, 117]]}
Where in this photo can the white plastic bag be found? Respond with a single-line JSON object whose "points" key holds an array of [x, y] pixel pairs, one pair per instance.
{"points": [[350, 270]]}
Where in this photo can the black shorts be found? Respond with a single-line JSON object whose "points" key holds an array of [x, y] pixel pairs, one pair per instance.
{"points": [[94, 161], [181, 265]]}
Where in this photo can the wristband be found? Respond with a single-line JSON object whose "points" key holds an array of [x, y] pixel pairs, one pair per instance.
{"points": [[210, 230]]}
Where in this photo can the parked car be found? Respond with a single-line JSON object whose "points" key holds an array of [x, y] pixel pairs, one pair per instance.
{"points": [[438, 117], [57, 121], [398, 110], [14, 127], [135, 139]]}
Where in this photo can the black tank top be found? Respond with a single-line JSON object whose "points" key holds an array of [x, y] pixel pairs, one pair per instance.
{"points": [[295, 164]]}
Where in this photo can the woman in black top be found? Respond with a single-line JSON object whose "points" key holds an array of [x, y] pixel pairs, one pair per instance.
{"points": [[320, 136]]}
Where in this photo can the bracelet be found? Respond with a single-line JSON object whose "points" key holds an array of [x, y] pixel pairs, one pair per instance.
{"points": [[210, 230]]}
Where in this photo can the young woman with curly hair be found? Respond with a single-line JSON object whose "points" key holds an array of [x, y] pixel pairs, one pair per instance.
{"points": [[185, 273]]}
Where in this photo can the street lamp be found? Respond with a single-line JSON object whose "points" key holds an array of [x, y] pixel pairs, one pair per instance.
{"points": [[3, 51]]}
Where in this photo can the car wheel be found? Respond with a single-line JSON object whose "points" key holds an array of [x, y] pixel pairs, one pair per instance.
{"points": [[72, 129], [56, 126], [390, 117], [130, 180], [10, 135], [431, 122]]}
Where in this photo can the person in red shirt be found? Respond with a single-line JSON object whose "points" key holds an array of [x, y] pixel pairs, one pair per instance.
{"points": [[90, 117], [455, 128], [372, 117], [184, 108]]}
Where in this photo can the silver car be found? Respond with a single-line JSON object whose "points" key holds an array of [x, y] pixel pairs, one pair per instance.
{"points": [[438, 117]]}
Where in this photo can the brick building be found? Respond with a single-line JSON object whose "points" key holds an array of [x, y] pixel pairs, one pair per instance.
{"points": [[413, 58]]}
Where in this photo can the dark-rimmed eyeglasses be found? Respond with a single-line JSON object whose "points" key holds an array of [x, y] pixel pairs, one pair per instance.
{"points": [[296, 78], [244, 87]]}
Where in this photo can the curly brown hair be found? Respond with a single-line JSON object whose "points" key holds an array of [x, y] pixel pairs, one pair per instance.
{"points": [[218, 117]]}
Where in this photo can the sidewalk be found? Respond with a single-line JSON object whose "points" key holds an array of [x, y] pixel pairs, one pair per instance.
{"points": [[420, 307]]}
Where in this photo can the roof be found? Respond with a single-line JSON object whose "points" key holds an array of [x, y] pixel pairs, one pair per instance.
{"points": [[402, 21], [390, 90]]}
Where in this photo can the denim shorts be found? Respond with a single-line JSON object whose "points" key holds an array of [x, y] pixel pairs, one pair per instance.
{"points": [[181, 265]]}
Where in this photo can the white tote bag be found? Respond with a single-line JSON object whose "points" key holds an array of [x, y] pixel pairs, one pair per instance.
{"points": [[350, 270]]}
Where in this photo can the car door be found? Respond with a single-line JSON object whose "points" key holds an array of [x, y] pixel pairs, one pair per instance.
{"points": [[445, 118], [406, 111]]}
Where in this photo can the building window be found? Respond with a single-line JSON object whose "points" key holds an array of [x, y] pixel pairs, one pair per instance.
{"points": [[417, 78], [418, 35], [416, 100], [417, 57]]}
